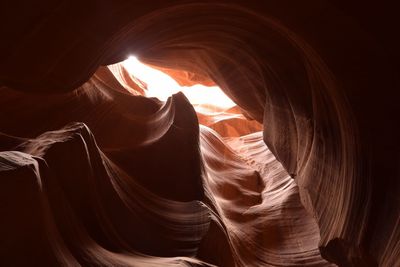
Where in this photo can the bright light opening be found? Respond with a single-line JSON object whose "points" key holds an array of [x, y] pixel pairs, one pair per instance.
{"points": [[162, 86]]}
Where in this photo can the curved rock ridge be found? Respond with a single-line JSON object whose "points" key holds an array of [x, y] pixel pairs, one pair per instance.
{"points": [[94, 211], [80, 214], [257, 204]]}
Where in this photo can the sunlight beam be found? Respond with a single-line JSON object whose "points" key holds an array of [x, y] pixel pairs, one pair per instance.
{"points": [[162, 86]]}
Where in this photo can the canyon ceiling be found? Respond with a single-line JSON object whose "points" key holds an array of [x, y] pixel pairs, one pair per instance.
{"points": [[304, 171]]}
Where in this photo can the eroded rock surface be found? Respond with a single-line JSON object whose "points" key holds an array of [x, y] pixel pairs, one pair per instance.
{"points": [[95, 174]]}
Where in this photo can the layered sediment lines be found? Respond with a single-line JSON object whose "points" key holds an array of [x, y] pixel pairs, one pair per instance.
{"points": [[319, 85]]}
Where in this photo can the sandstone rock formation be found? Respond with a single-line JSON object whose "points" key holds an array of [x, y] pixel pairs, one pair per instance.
{"points": [[302, 172]]}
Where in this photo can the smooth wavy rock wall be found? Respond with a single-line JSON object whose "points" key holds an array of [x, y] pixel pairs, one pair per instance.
{"points": [[93, 174]]}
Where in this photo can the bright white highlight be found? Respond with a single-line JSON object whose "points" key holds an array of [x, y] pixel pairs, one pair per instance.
{"points": [[162, 86]]}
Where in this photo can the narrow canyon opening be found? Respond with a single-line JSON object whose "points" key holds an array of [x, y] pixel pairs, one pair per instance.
{"points": [[213, 107]]}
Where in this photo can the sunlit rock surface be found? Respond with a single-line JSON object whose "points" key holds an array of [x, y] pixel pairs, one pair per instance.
{"points": [[304, 171]]}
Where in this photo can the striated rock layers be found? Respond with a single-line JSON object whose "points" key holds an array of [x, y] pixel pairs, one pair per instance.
{"points": [[302, 172]]}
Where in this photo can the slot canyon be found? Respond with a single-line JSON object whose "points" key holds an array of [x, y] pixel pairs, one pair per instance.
{"points": [[199, 133]]}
